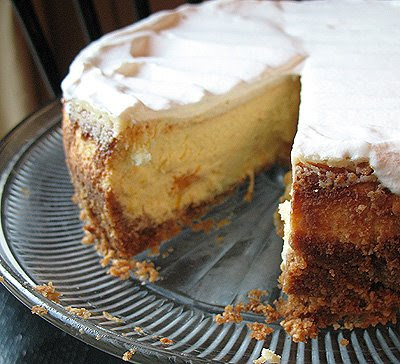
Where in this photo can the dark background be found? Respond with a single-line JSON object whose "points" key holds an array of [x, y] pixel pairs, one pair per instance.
{"points": [[27, 338]]}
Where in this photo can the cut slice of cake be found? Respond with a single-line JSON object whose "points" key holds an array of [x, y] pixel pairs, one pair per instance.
{"points": [[161, 119], [157, 176]]}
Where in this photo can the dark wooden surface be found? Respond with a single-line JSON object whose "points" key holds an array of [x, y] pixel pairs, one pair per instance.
{"points": [[27, 338]]}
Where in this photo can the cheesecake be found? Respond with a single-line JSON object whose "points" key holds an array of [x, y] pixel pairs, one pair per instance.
{"points": [[143, 186], [165, 117], [161, 120]]}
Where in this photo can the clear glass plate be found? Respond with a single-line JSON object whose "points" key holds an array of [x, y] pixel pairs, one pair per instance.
{"points": [[40, 242]]}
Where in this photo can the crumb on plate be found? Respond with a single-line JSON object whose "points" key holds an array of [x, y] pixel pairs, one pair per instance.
{"points": [[39, 310], [80, 312], [128, 354], [49, 291], [259, 331], [268, 356], [110, 317], [139, 330], [146, 271], [166, 341]]}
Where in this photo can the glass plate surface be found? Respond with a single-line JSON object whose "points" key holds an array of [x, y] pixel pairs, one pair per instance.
{"points": [[40, 242]]}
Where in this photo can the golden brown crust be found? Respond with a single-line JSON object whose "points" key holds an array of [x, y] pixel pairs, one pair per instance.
{"points": [[344, 261]]}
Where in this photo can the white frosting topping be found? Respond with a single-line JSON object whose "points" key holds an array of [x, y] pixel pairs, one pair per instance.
{"points": [[179, 58], [350, 94], [184, 62]]}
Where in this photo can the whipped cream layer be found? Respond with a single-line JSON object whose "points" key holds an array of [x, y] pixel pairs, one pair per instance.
{"points": [[350, 94], [195, 55], [190, 61]]}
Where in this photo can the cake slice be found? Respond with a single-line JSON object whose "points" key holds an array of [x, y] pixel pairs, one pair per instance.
{"points": [[157, 176], [161, 119]]}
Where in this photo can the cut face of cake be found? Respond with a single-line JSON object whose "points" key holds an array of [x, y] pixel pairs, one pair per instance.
{"points": [[161, 119], [156, 176], [164, 117]]}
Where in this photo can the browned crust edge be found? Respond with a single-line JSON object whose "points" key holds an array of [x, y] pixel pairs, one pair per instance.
{"points": [[343, 268]]}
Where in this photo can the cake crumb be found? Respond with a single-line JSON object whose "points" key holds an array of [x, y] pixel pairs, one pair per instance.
{"points": [[167, 252], [39, 310], [1, 279], [110, 317], [166, 341], [269, 356], [205, 226], [248, 197], [75, 200], [230, 314], [128, 354], [256, 306], [348, 325], [344, 342], [139, 330], [80, 312], [49, 291], [121, 268], [89, 237], [256, 293], [360, 208], [300, 330], [154, 252], [259, 331], [145, 271], [102, 247], [107, 258]]}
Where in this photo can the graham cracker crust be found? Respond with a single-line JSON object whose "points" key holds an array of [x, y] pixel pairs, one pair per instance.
{"points": [[343, 265]]}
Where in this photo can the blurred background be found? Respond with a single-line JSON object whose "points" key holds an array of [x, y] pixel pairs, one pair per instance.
{"points": [[22, 89]]}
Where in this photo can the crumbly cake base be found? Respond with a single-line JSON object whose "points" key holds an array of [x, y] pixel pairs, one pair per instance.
{"points": [[342, 267], [139, 186], [104, 218], [150, 236]]}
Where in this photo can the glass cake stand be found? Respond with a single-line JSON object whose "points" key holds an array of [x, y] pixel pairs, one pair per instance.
{"points": [[40, 236]]}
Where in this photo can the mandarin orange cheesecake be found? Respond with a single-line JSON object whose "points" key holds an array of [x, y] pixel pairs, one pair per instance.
{"points": [[164, 117]]}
